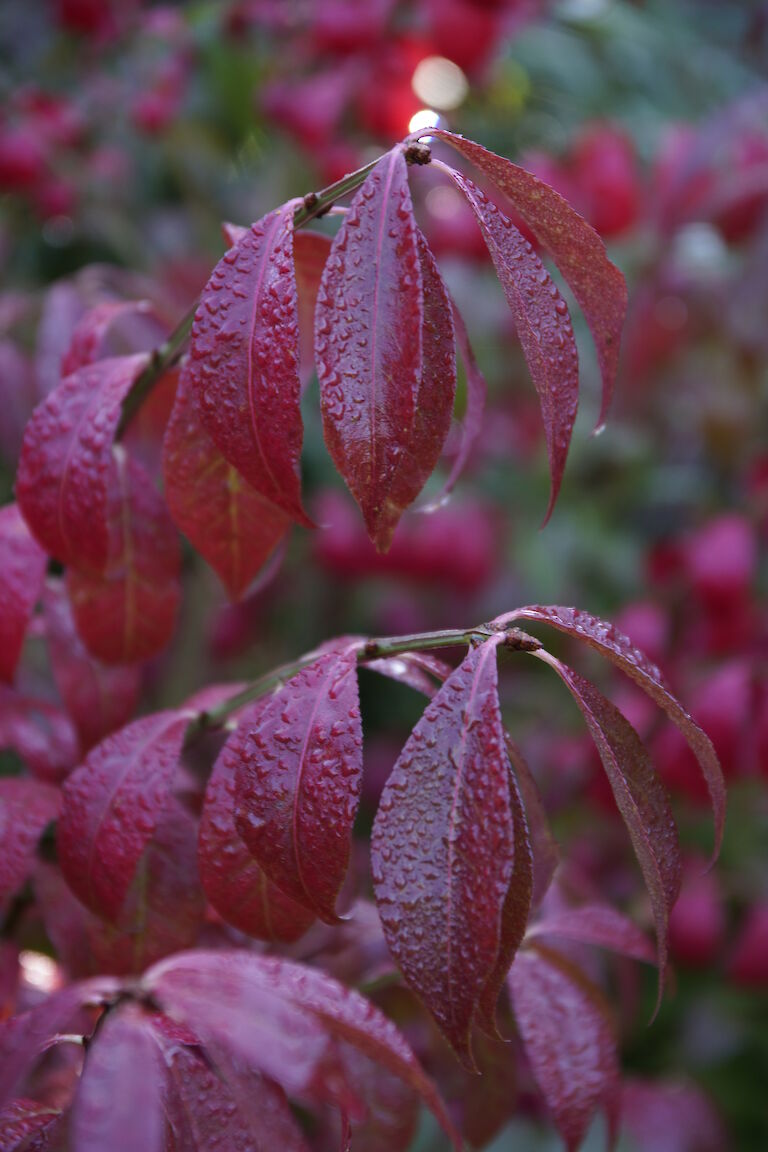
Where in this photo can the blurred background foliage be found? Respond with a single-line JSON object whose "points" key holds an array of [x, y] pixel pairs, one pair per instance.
{"points": [[129, 131]]}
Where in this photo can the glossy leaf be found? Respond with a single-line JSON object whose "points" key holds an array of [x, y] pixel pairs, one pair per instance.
{"points": [[233, 882], [243, 364], [568, 1039], [573, 244], [111, 807], [22, 567], [99, 699], [26, 808], [310, 251], [222, 516], [298, 771], [63, 480], [596, 924], [419, 670], [442, 847], [129, 612], [40, 733], [119, 1103], [542, 322], [368, 341]]}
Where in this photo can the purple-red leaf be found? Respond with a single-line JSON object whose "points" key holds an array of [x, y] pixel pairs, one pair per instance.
{"points": [[129, 612], [368, 340], [87, 344], [118, 1104], [234, 883], [99, 699], [22, 568], [573, 244], [40, 733], [418, 670], [310, 253], [25, 1126], [544, 849], [619, 649], [63, 480], [111, 808], [596, 924], [226, 519], [243, 364], [442, 847], [543, 325], [298, 771], [568, 1039], [26, 807]]}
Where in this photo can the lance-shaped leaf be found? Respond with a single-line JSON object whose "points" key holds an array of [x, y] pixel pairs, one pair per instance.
{"points": [[119, 1099], [243, 364], [40, 733], [22, 568], [26, 807], [619, 649], [226, 519], [544, 848], [99, 699], [234, 883], [596, 924], [573, 244], [111, 808], [63, 480], [368, 335], [568, 1040], [639, 795], [26, 1125], [416, 669], [442, 847], [129, 612], [543, 325], [87, 344], [298, 773]]}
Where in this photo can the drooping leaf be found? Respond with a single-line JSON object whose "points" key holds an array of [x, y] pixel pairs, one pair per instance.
{"points": [[63, 480], [543, 325], [128, 613], [597, 924], [573, 244], [419, 670], [41, 733], [368, 336], [568, 1039], [544, 848], [619, 649], [87, 344], [391, 1106], [99, 699], [442, 847], [119, 1099], [22, 567], [310, 253], [298, 770], [25, 1126], [26, 807], [234, 883], [111, 806], [243, 364], [226, 519]]}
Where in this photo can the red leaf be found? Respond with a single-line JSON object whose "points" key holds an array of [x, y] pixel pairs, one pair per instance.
{"points": [[543, 325], [129, 613], [243, 364], [99, 699], [226, 520], [640, 797], [568, 1040], [40, 733], [23, 1126], [26, 807], [617, 648], [88, 338], [578, 251], [368, 333], [119, 1100], [597, 924], [416, 669], [310, 253], [442, 847], [62, 484], [111, 808], [22, 568], [298, 781], [235, 885], [545, 852]]}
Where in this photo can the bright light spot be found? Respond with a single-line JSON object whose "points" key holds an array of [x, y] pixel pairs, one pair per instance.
{"points": [[40, 971], [443, 202], [424, 118], [440, 83]]}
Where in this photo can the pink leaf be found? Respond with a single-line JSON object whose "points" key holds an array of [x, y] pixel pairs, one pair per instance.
{"points": [[542, 322], [40, 733], [597, 924], [62, 484], [243, 365], [416, 669], [25, 1126], [442, 847], [298, 781], [87, 343], [578, 251], [22, 568], [226, 520], [368, 334], [111, 808], [26, 808]]}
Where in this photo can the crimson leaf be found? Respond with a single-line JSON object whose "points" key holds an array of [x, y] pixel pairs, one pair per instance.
{"points": [[26, 807], [40, 733], [88, 338], [597, 924], [22, 567]]}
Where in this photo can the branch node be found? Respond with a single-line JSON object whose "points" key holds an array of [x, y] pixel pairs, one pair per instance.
{"points": [[418, 153]]}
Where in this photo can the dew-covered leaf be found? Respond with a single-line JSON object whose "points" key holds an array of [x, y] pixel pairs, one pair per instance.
{"points": [[368, 337], [310, 251], [419, 670], [25, 1126], [298, 772], [22, 568], [26, 808]]}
